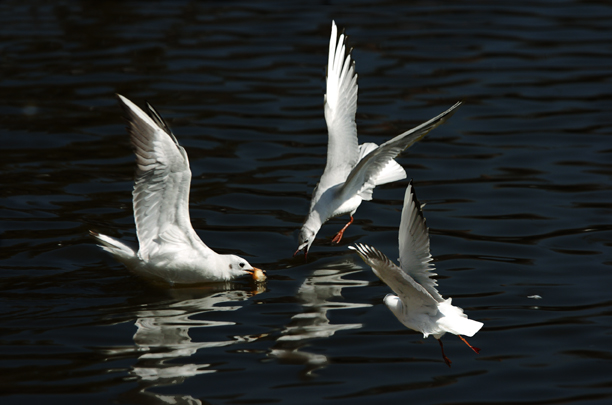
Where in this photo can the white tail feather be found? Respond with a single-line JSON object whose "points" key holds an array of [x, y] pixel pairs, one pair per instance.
{"points": [[366, 148], [391, 172], [456, 322], [120, 251]]}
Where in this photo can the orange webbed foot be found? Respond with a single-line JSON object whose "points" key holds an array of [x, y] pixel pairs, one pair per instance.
{"points": [[340, 233]]}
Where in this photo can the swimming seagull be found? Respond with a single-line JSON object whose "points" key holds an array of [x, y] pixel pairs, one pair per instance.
{"points": [[352, 171], [169, 247], [417, 305]]}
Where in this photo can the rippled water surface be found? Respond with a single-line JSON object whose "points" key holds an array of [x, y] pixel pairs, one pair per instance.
{"points": [[517, 186]]}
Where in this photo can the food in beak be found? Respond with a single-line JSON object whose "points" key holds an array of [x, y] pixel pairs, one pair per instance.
{"points": [[258, 275]]}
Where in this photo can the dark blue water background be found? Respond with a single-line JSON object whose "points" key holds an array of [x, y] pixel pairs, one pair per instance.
{"points": [[517, 186]]}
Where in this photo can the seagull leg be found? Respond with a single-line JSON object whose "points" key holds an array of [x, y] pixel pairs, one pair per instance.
{"points": [[446, 359], [338, 236], [477, 350]]}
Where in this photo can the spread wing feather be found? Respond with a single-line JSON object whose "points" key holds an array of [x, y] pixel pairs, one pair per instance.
{"points": [[415, 257], [399, 281], [163, 177], [362, 178], [340, 108]]}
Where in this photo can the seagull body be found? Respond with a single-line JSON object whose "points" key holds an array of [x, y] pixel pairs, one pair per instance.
{"points": [[352, 170], [418, 304], [169, 248]]}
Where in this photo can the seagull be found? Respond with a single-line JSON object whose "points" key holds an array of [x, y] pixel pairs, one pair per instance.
{"points": [[417, 305], [169, 248], [352, 171]]}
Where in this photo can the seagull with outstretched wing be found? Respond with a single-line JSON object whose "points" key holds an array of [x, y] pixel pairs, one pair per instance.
{"points": [[169, 248], [418, 304], [352, 170]]}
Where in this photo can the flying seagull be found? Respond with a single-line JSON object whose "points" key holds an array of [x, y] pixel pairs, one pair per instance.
{"points": [[352, 170], [169, 248], [417, 305]]}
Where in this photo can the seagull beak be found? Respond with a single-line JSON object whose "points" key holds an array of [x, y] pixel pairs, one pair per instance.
{"points": [[304, 248], [258, 275]]}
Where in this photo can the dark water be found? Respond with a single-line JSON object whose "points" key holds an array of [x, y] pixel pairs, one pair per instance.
{"points": [[517, 187]]}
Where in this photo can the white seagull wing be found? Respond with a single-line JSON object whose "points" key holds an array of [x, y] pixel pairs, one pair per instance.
{"points": [[161, 188], [408, 290], [414, 255], [340, 108], [362, 179]]}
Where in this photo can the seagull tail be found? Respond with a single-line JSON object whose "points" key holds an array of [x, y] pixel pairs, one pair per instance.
{"points": [[120, 251], [456, 322], [390, 173]]}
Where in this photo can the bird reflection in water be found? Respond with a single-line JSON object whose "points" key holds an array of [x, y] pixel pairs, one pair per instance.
{"points": [[163, 336], [321, 292]]}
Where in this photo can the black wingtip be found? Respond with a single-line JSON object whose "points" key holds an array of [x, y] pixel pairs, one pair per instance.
{"points": [[450, 112], [417, 203], [132, 118], [414, 196], [369, 252], [158, 119]]}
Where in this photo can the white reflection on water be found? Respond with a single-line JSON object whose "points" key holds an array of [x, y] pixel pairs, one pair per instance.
{"points": [[321, 292], [163, 336]]}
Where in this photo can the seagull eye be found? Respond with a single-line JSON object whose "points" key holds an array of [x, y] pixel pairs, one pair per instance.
{"points": [[242, 265]]}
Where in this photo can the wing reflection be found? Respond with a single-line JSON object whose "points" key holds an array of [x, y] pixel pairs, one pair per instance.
{"points": [[321, 292], [162, 338]]}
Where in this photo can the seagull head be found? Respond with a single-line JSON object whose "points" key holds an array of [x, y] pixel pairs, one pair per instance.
{"points": [[305, 239], [240, 267]]}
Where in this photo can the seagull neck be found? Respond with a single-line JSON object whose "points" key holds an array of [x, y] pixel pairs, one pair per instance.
{"points": [[313, 222]]}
